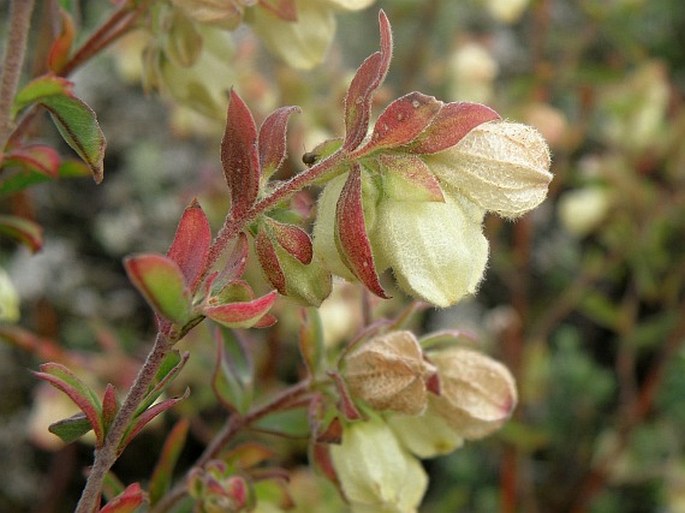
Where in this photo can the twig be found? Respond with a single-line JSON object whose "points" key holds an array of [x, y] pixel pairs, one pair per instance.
{"points": [[106, 455], [19, 23]]}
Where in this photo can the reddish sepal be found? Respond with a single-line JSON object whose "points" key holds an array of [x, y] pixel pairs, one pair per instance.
{"points": [[272, 140]]}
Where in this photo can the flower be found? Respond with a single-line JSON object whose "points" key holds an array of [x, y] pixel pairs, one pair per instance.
{"points": [[423, 204], [478, 394], [376, 474], [389, 373]]}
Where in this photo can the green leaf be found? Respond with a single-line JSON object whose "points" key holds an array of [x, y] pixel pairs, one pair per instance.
{"points": [[71, 429], [161, 477], [293, 423], [160, 280], [79, 128], [22, 230], [75, 120], [172, 364], [233, 374], [63, 379]]}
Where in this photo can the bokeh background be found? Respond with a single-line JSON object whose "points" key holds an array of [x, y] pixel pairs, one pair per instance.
{"points": [[584, 298]]}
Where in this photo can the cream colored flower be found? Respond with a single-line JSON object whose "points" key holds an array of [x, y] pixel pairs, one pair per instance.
{"points": [[376, 473], [503, 167]]}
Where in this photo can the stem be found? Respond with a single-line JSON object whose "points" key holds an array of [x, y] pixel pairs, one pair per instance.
{"points": [[234, 424], [286, 190], [19, 23], [106, 455]]}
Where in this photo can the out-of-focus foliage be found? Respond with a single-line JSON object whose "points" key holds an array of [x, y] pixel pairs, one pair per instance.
{"points": [[583, 299]]}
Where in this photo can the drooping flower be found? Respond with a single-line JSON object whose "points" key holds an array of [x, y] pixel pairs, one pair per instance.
{"points": [[389, 373], [376, 474]]}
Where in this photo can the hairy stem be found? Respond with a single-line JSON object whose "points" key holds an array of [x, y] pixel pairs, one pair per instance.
{"points": [[19, 24], [106, 455]]}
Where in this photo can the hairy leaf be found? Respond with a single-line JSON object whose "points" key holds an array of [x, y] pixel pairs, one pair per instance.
{"points": [[239, 156], [160, 280], [191, 243]]}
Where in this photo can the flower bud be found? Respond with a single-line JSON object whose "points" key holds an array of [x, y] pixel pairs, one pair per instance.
{"points": [[376, 474], [501, 166], [389, 373], [217, 490], [436, 250], [478, 394]]}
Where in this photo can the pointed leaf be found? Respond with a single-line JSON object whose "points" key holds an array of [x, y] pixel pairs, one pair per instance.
{"points": [[160, 482], [191, 243], [35, 157], [149, 415], [268, 259], [311, 341], [231, 379], [350, 233], [172, 364], [126, 502], [160, 280], [110, 406], [293, 239], [71, 429], [27, 232], [407, 178], [63, 379], [61, 46], [403, 120], [367, 79], [272, 140], [450, 125], [77, 124], [284, 9], [239, 156], [241, 315]]}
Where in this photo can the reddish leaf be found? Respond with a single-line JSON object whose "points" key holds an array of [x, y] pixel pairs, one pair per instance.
{"points": [[293, 239], [350, 233], [148, 416], [160, 280], [367, 79], [35, 157], [27, 232], [451, 124], [407, 178], [110, 406], [284, 9], [63, 379], [239, 156], [162, 475], [241, 315], [191, 243], [403, 120], [266, 322], [126, 502], [272, 140], [61, 46], [268, 259]]}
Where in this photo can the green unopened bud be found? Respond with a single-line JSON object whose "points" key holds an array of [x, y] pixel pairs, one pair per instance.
{"points": [[501, 166], [376, 473], [478, 394], [389, 373], [436, 250]]}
